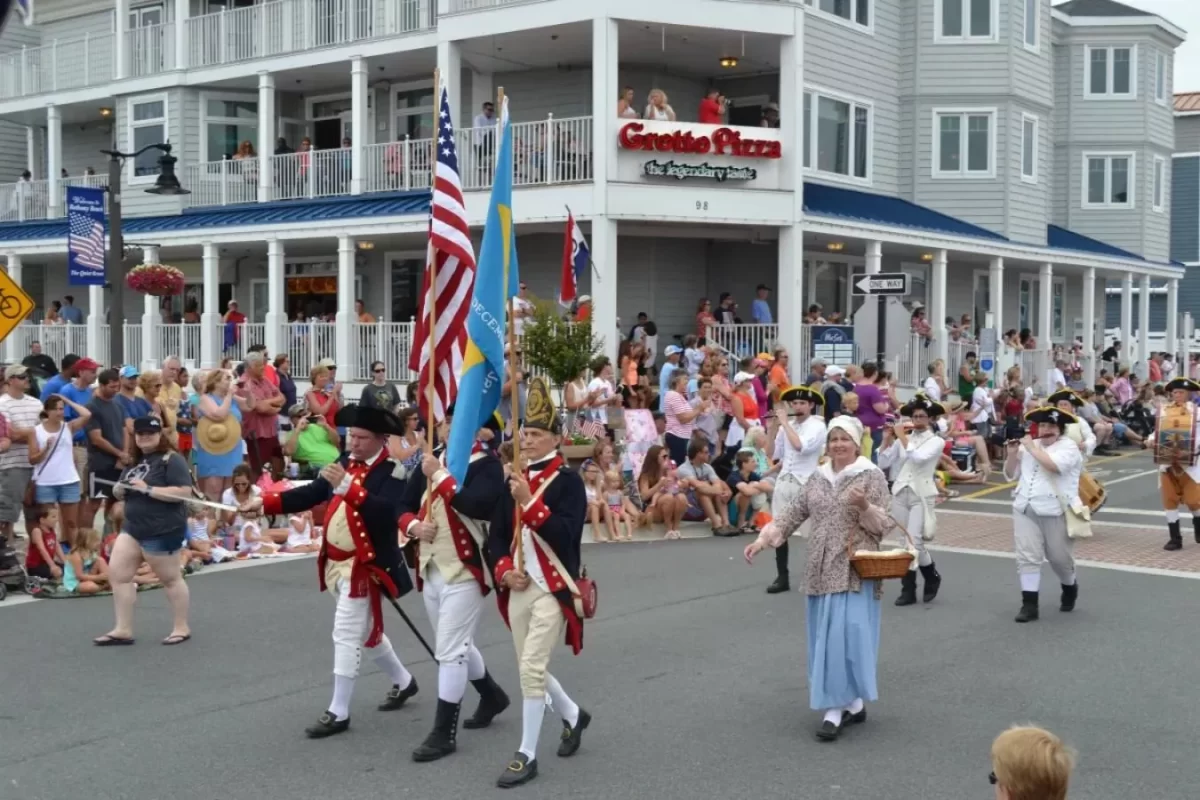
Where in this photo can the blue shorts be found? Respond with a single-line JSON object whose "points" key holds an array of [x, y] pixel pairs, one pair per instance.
{"points": [[165, 545], [63, 493], [1119, 429]]}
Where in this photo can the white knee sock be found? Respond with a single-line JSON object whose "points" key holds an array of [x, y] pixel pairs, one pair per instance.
{"points": [[452, 682], [1070, 580], [531, 724], [387, 660], [343, 690], [1030, 581], [476, 669], [834, 715], [924, 560], [561, 702], [856, 706]]}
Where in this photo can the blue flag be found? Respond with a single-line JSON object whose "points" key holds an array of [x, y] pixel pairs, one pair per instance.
{"points": [[496, 280], [86, 227]]}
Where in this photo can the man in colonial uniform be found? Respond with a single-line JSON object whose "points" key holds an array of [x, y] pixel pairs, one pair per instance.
{"points": [[798, 447], [450, 535], [1175, 450], [1079, 432], [360, 555], [914, 491], [535, 573]]}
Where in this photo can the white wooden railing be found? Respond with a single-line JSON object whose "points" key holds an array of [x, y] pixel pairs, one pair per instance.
{"points": [[181, 340], [150, 50], [56, 340], [463, 6], [307, 343], [389, 342], [29, 201], [314, 173], [221, 183], [70, 63], [133, 345]]}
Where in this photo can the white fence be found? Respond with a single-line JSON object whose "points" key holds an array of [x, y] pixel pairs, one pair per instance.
{"points": [[389, 342], [28, 201], [56, 340], [313, 173], [150, 50], [221, 183], [70, 63], [306, 343]]}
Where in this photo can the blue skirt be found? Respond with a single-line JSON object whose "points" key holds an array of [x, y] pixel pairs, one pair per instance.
{"points": [[843, 647]]}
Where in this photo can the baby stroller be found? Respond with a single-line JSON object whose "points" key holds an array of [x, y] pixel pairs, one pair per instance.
{"points": [[13, 576]]}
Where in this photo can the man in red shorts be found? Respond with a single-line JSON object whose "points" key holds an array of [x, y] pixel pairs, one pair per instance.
{"points": [[260, 426]]}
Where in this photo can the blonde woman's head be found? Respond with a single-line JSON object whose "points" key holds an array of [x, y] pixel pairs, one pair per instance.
{"points": [[657, 97], [151, 383], [319, 375], [1030, 763], [199, 381], [215, 380], [756, 437]]}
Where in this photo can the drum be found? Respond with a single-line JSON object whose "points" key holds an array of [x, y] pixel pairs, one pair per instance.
{"points": [[1175, 437], [1091, 493]]}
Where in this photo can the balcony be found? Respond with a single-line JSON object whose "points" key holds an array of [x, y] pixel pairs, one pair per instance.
{"points": [[73, 63], [29, 201]]}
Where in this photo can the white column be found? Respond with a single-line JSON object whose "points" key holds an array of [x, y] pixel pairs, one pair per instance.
{"points": [[604, 275], [212, 334], [360, 121], [276, 313], [96, 322], [12, 347], [483, 90], [789, 280], [1046, 307], [182, 9], [874, 258], [1172, 343], [1089, 326], [54, 159], [31, 151], [120, 55], [1143, 348], [266, 135], [151, 319], [345, 313], [996, 296], [937, 305], [449, 63], [1126, 353]]}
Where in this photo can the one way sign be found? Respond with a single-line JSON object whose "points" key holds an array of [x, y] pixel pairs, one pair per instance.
{"points": [[882, 283]]}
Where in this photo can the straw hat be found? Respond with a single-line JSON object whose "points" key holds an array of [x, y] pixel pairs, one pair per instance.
{"points": [[218, 437]]}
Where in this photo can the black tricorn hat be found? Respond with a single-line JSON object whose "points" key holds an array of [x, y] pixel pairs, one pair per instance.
{"points": [[375, 420], [1183, 383], [1065, 394], [1048, 415], [802, 393], [923, 403]]}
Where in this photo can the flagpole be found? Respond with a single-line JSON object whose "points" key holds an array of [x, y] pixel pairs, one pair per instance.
{"points": [[514, 366], [432, 296]]}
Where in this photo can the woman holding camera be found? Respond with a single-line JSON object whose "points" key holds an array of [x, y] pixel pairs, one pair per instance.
{"points": [[313, 442]]}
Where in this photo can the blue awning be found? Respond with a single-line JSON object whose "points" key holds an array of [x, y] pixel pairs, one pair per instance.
{"points": [[837, 201], [1070, 240]]}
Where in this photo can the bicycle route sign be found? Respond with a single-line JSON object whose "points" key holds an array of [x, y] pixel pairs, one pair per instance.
{"points": [[15, 305]]}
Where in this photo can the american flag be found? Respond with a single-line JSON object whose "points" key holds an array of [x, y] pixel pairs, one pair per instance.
{"points": [[589, 428], [452, 256], [86, 241]]}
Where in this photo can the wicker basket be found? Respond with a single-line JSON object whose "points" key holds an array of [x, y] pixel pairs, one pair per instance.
{"points": [[872, 568]]}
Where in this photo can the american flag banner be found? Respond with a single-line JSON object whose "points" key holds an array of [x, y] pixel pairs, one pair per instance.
{"points": [[85, 236], [450, 256], [589, 428]]}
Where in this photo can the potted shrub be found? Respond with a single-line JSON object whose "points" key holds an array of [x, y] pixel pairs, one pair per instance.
{"points": [[559, 350]]}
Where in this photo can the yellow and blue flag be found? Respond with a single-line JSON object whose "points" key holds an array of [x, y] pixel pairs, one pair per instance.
{"points": [[496, 279]]}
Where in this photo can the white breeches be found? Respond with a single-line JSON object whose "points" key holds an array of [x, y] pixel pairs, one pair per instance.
{"points": [[1039, 539], [351, 626], [454, 611], [909, 511]]}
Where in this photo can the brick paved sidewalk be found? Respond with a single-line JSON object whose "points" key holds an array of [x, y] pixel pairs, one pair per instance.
{"points": [[1128, 545]]}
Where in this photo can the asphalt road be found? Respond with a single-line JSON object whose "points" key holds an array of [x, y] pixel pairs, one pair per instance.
{"points": [[694, 676]]}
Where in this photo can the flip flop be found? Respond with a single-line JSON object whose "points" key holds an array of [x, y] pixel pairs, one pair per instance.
{"points": [[112, 641], [176, 638]]}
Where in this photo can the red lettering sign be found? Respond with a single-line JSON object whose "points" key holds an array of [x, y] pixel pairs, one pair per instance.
{"points": [[722, 142]]}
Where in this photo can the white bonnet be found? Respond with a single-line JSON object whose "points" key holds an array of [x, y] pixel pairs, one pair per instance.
{"points": [[849, 424]]}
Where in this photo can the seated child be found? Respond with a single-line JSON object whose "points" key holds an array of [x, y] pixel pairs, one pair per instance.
{"points": [[619, 510], [593, 485], [43, 559], [85, 570], [300, 534], [750, 493], [251, 540], [201, 528]]}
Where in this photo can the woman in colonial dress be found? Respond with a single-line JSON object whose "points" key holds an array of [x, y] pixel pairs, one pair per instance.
{"points": [[847, 500]]}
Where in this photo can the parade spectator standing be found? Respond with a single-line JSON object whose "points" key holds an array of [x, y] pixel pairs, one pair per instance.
{"points": [[216, 444], [522, 309], [712, 108], [56, 383], [380, 392], [283, 368], [71, 313], [872, 405], [673, 353], [261, 421], [681, 417], [79, 392], [21, 414], [322, 398], [170, 397], [760, 309], [133, 405], [55, 478], [833, 389], [39, 361], [108, 440], [726, 310]]}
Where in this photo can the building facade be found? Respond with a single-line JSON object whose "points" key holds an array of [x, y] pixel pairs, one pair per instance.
{"points": [[1011, 157]]}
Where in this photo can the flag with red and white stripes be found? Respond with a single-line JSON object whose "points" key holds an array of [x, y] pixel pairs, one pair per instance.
{"points": [[589, 428], [452, 258]]}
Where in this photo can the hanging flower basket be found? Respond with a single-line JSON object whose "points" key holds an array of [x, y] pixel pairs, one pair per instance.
{"points": [[158, 280]]}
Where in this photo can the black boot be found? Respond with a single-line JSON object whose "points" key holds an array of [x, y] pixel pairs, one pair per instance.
{"points": [[442, 740], [327, 725], [1176, 541], [781, 583], [933, 581], [1196, 528], [1029, 607], [1069, 595], [492, 700], [397, 697], [908, 589]]}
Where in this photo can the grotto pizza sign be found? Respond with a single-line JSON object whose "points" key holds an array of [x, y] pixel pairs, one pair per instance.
{"points": [[662, 151]]}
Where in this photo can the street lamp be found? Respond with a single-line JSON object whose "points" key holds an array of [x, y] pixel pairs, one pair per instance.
{"points": [[166, 184]]}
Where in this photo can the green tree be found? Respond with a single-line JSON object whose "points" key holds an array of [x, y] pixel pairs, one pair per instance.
{"points": [[559, 349]]}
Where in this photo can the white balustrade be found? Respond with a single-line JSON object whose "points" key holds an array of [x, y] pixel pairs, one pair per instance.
{"points": [[315, 173], [182, 340], [306, 343], [389, 342], [462, 6], [544, 152], [24, 201], [150, 49], [68, 63], [221, 183], [740, 341], [398, 166], [133, 344]]}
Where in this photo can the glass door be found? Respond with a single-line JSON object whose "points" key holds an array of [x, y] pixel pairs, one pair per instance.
{"points": [[147, 39]]}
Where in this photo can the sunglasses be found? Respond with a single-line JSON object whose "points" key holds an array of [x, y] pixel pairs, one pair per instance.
{"points": [[379, 371], [992, 779]]}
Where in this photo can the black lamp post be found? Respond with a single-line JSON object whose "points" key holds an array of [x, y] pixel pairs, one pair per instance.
{"points": [[166, 184]]}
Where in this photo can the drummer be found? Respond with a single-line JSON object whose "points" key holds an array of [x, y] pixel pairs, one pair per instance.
{"points": [[1079, 432], [1175, 449]]}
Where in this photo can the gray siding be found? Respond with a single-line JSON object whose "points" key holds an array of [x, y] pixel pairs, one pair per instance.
{"points": [[81, 147], [1189, 293], [136, 201], [1028, 203], [978, 200], [1187, 134], [1185, 209], [1031, 69], [1158, 309]]}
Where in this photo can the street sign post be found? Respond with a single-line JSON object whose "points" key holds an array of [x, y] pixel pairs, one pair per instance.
{"points": [[987, 351], [881, 285], [15, 305]]}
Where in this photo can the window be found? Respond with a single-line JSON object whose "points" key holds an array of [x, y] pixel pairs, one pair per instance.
{"points": [[963, 142], [1110, 72], [963, 20], [228, 122], [1160, 168], [1032, 10], [839, 135], [1057, 326], [1160, 78], [412, 113], [1029, 148], [1107, 178], [147, 126], [857, 12]]}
